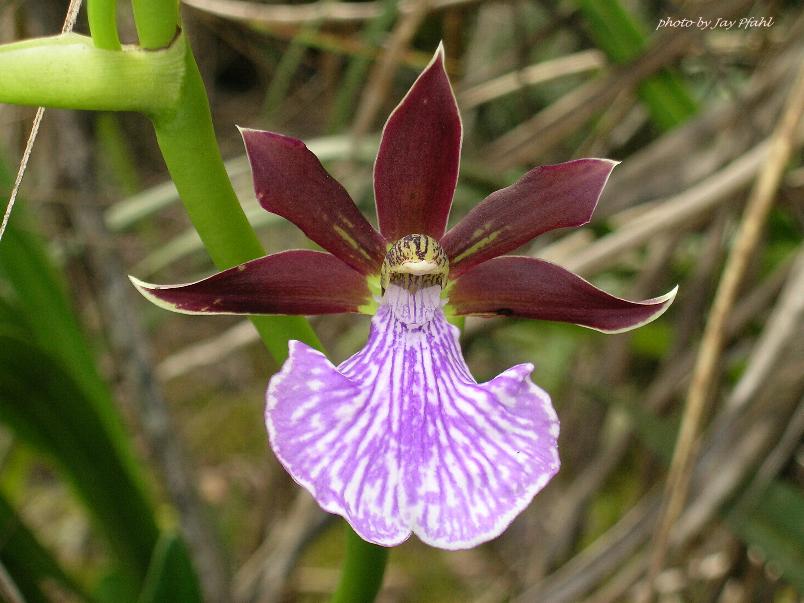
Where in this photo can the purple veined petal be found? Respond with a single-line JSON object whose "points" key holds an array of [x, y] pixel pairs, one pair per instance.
{"points": [[546, 198], [289, 282], [400, 438], [533, 288], [291, 182], [417, 164]]}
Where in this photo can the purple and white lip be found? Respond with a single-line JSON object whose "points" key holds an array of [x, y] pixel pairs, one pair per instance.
{"points": [[400, 439]]}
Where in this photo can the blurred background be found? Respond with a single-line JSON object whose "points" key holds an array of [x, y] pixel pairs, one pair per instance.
{"points": [[120, 421]]}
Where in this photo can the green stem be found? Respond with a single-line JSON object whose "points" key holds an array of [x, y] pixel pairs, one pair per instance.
{"points": [[363, 569], [102, 16], [70, 72], [156, 21], [188, 144], [187, 140]]}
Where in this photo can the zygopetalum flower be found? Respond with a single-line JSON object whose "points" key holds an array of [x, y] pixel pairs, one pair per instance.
{"points": [[400, 437]]}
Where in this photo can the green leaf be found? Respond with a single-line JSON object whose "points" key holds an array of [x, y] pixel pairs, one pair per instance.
{"points": [[776, 527], [27, 561], [171, 576], [52, 395], [45, 406]]}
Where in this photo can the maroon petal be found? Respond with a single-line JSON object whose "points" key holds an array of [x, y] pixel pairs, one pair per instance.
{"points": [[290, 282], [547, 197], [291, 182], [417, 164], [531, 288]]}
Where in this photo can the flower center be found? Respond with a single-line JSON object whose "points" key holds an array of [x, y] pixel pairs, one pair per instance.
{"points": [[415, 262], [412, 276]]}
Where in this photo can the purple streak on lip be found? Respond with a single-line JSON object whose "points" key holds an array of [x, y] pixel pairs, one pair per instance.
{"points": [[546, 198], [400, 438], [289, 282], [533, 288], [416, 169]]}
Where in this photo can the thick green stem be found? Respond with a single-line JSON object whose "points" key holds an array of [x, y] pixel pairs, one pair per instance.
{"points": [[70, 72], [188, 144], [102, 16], [156, 21], [362, 573]]}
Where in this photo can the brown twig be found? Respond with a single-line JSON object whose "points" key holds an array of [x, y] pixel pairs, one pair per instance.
{"points": [[753, 436], [381, 77], [8, 590], [677, 212], [783, 325], [748, 236], [315, 12], [533, 138], [571, 64], [69, 23], [262, 577]]}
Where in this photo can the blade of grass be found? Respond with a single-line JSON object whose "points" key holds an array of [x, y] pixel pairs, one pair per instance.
{"points": [[27, 561], [46, 407], [171, 576], [355, 75]]}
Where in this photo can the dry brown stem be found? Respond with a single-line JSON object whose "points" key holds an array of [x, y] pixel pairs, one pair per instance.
{"points": [[747, 238]]}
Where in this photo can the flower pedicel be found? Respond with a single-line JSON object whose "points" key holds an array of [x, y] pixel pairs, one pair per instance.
{"points": [[400, 438]]}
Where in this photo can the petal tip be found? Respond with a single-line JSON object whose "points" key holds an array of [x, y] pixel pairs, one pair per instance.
{"points": [[246, 133], [439, 54], [662, 303], [148, 291]]}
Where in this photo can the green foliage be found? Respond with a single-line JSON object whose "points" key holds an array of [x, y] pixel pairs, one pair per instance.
{"points": [[171, 577], [30, 563], [52, 397], [45, 406], [620, 36], [776, 527]]}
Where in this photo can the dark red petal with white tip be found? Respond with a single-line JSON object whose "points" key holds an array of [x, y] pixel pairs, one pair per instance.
{"points": [[547, 197], [291, 182], [532, 288], [417, 164], [289, 282]]}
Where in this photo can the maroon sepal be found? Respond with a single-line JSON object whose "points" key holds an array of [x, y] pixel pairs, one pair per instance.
{"points": [[290, 181], [417, 164], [532, 288], [547, 197], [289, 282]]}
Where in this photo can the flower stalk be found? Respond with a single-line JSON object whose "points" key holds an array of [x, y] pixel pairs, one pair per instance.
{"points": [[102, 17], [70, 71], [187, 141], [362, 572]]}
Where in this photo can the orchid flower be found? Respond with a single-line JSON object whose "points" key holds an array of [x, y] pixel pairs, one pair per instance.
{"points": [[400, 438]]}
